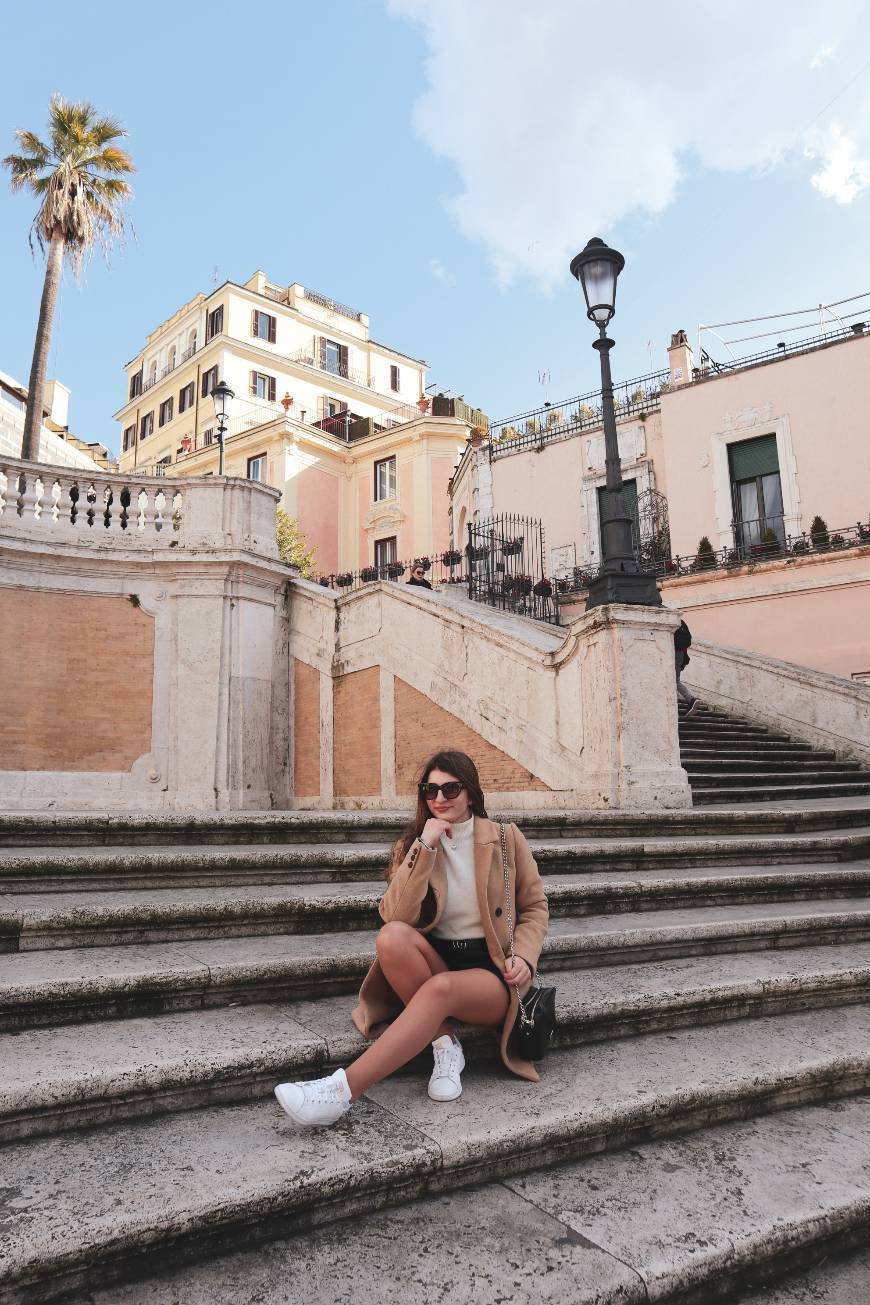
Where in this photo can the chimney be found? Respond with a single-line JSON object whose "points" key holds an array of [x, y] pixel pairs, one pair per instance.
{"points": [[681, 360]]}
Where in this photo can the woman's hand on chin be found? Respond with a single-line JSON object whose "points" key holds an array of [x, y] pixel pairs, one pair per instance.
{"points": [[433, 829]]}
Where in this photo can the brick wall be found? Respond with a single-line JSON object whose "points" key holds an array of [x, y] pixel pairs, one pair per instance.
{"points": [[306, 730], [356, 756], [77, 681], [422, 728]]}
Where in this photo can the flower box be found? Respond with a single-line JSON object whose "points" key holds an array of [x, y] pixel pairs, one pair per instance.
{"points": [[344, 581]]}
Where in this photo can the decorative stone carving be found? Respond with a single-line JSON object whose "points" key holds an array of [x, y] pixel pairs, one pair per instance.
{"points": [[384, 517], [750, 416]]}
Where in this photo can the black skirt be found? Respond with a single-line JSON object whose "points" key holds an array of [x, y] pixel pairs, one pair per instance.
{"points": [[464, 954]]}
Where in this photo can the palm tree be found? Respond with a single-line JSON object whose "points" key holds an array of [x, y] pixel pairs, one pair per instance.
{"points": [[79, 179]]}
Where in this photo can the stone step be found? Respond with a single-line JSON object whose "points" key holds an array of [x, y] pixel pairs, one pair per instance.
{"points": [[779, 792], [54, 1079], [108, 1203], [748, 774], [661, 1222], [749, 765], [60, 986], [319, 828], [31, 870], [771, 752], [43, 921]]}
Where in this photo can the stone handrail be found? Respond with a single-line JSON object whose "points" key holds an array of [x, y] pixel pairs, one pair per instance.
{"points": [[111, 509], [825, 710]]}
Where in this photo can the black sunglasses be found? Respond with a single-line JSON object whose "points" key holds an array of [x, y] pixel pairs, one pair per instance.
{"points": [[451, 790]]}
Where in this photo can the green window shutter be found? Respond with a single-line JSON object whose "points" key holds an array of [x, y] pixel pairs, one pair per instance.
{"points": [[752, 458]]}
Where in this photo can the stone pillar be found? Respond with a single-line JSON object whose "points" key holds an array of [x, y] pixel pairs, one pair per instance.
{"points": [[630, 745]]}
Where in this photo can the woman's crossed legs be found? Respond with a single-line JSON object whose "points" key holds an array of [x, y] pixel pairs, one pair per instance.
{"points": [[431, 994]]}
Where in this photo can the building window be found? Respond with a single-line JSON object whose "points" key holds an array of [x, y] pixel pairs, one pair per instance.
{"points": [[756, 492], [263, 326], [263, 386], [165, 412], [208, 436], [209, 381], [129, 438], [191, 346], [394, 378], [136, 384], [333, 357], [214, 323], [146, 426], [385, 552], [185, 397], [257, 467], [170, 362], [333, 407], [152, 375], [385, 479]]}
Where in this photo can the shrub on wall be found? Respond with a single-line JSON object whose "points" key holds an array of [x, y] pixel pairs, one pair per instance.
{"points": [[819, 533], [705, 557]]}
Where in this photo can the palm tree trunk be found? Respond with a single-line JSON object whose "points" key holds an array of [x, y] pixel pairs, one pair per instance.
{"points": [[39, 366]]}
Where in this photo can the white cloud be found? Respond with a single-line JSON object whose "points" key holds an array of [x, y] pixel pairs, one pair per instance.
{"points": [[562, 118], [440, 272], [844, 175]]}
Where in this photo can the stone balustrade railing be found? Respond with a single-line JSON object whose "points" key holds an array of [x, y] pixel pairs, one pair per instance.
{"points": [[109, 509]]}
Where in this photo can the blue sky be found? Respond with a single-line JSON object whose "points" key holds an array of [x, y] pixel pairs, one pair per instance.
{"points": [[435, 164]]}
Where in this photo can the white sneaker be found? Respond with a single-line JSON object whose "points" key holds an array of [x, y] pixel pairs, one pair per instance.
{"points": [[314, 1104], [445, 1084]]}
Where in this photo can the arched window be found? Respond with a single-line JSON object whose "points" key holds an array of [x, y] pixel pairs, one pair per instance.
{"points": [[171, 360], [152, 373]]}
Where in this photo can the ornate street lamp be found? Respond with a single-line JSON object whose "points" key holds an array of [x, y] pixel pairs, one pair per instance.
{"points": [[222, 396], [620, 579]]}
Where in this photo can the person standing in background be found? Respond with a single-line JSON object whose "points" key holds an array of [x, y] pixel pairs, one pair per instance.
{"points": [[682, 644]]}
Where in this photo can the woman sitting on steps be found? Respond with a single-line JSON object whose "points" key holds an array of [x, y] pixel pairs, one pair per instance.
{"points": [[442, 952]]}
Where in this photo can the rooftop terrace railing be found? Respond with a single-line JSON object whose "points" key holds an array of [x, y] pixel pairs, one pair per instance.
{"points": [[558, 421]]}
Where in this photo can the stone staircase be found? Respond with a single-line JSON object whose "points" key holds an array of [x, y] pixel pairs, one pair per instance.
{"points": [[729, 759], [701, 1124]]}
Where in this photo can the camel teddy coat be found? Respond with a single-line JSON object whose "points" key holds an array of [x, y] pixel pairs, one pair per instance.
{"points": [[416, 896]]}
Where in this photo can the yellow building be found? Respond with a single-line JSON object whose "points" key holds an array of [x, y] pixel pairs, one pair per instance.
{"points": [[340, 423]]}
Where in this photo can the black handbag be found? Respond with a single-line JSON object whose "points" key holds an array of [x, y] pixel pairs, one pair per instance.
{"points": [[536, 1012]]}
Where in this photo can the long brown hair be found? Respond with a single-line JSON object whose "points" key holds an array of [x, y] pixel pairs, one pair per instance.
{"points": [[454, 763]]}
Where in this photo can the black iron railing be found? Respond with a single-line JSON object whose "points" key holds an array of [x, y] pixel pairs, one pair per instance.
{"points": [[740, 553], [709, 368], [506, 564], [446, 568], [559, 421]]}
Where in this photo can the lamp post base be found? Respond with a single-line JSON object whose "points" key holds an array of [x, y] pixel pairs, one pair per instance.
{"points": [[623, 587]]}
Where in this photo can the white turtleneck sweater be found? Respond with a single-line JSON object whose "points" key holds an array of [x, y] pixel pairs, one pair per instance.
{"points": [[461, 915]]}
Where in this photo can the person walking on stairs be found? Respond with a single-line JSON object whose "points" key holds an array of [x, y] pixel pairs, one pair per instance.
{"points": [[443, 951], [682, 644]]}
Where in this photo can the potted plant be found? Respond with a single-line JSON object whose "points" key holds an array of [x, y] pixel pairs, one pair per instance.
{"points": [[522, 584], [368, 573], [477, 552], [705, 557], [512, 547], [345, 580], [395, 569], [800, 546], [837, 541], [819, 533], [451, 558], [543, 589]]}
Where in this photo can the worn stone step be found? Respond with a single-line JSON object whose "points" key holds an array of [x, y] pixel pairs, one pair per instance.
{"points": [[316, 828], [41, 921], [109, 1203], [793, 774], [108, 869], [655, 1223], [770, 766], [778, 792], [773, 752], [56, 1079], [60, 986]]}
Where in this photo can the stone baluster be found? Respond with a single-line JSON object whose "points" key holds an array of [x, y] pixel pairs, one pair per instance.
{"points": [[30, 498], [159, 510], [149, 510]]}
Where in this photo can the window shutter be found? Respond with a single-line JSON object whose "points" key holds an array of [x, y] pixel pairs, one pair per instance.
{"points": [[321, 350], [273, 326], [255, 325], [254, 383], [271, 389], [750, 458], [342, 359]]}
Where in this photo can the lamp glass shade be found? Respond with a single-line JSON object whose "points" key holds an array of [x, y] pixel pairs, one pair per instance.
{"points": [[222, 395], [597, 268]]}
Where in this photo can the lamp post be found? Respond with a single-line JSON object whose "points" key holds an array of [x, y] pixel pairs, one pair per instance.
{"points": [[621, 578], [222, 396]]}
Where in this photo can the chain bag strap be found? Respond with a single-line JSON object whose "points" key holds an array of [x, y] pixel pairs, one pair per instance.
{"points": [[536, 1015]]}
